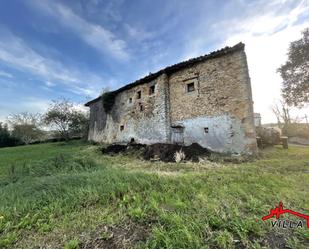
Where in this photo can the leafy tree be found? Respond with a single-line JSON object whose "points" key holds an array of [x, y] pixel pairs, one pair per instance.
{"points": [[79, 124], [63, 116], [295, 72], [25, 126], [6, 139], [27, 133]]}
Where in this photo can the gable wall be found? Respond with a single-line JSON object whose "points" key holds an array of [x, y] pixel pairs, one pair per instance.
{"points": [[221, 102]]}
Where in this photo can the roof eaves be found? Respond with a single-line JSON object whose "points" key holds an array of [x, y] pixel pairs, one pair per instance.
{"points": [[178, 66]]}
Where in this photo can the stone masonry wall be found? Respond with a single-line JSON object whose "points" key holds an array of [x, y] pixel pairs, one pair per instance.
{"points": [[148, 125], [219, 112]]}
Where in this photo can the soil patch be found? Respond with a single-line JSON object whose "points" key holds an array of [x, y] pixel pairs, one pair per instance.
{"points": [[159, 151], [123, 236], [114, 149]]}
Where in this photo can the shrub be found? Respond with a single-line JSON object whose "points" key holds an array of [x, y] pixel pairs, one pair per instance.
{"points": [[296, 130], [6, 139]]}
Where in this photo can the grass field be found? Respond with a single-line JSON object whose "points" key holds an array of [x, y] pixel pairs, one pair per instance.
{"points": [[71, 196]]}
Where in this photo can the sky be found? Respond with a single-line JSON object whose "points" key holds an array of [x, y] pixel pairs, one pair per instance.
{"points": [[50, 49]]}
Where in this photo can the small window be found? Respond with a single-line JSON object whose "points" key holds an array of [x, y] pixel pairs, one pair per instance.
{"points": [[139, 94], [206, 129], [141, 108], [152, 90], [121, 127], [190, 87], [130, 100]]}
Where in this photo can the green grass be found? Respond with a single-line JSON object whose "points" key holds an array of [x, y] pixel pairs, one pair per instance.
{"points": [[71, 196]]}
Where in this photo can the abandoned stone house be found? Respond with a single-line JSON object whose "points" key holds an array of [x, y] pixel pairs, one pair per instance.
{"points": [[205, 100]]}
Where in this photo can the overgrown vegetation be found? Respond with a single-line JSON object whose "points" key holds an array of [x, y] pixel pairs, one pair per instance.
{"points": [[296, 130], [108, 100], [27, 127], [68, 121], [69, 195], [6, 138], [294, 72]]}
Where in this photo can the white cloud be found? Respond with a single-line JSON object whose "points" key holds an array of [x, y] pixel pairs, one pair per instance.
{"points": [[16, 53], [267, 38], [32, 105], [94, 35], [138, 34], [267, 28], [5, 74], [50, 84], [27, 104]]}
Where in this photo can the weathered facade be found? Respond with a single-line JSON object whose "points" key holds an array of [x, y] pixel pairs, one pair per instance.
{"points": [[206, 100]]}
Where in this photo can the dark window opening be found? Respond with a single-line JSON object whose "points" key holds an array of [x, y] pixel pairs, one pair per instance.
{"points": [[130, 100], [121, 127], [139, 94], [152, 90], [190, 87], [206, 129], [141, 108], [132, 140]]}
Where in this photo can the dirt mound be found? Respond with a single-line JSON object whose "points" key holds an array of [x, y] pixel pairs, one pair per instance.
{"points": [[118, 148], [160, 151], [195, 150], [114, 149], [166, 152]]}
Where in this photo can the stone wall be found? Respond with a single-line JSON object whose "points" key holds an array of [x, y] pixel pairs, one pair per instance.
{"points": [[127, 120], [217, 113], [221, 103]]}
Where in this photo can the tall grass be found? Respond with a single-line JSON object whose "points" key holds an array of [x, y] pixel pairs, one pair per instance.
{"points": [[65, 196]]}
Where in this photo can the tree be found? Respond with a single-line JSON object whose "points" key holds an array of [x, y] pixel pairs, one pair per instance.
{"points": [[6, 139], [79, 124], [295, 72], [25, 126], [25, 118], [27, 133], [65, 118], [282, 112]]}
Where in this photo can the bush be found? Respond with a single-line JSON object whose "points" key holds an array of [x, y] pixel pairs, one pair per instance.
{"points": [[6, 139], [26, 127], [296, 130], [27, 133]]}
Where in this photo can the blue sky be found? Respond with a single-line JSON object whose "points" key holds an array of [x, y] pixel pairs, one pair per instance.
{"points": [[75, 48]]}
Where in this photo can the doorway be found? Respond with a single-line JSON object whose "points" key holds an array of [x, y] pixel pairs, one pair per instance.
{"points": [[177, 134]]}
